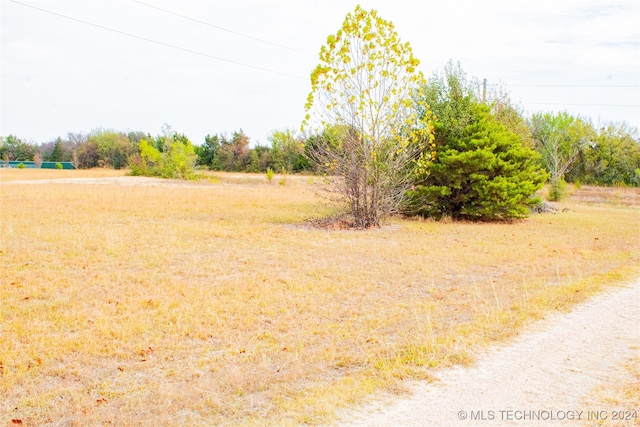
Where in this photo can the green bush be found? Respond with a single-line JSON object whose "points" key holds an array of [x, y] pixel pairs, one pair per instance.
{"points": [[58, 165], [176, 160], [557, 190], [269, 174], [21, 166], [481, 172]]}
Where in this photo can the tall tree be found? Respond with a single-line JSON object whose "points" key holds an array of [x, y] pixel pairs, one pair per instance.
{"points": [[365, 84], [559, 139]]}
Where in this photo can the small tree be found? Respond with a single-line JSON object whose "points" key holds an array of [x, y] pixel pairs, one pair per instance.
{"points": [[559, 139], [57, 155], [37, 159], [365, 85], [176, 160]]}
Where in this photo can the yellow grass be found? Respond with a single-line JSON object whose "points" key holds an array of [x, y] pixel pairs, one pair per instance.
{"points": [[213, 303], [617, 402]]}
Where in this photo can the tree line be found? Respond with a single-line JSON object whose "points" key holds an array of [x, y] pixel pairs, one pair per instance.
{"points": [[388, 139], [573, 150]]}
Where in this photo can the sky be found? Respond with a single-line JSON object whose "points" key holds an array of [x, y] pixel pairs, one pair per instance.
{"points": [[218, 66]]}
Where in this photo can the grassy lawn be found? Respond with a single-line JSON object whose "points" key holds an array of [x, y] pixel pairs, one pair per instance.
{"points": [[214, 303]]}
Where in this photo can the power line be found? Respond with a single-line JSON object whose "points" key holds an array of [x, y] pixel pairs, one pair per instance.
{"points": [[224, 29], [583, 105], [195, 52], [552, 85]]}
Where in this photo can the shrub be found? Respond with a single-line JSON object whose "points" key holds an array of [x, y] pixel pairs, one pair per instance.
{"points": [[21, 166], [177, 159], [58, 165], [557, 190]]}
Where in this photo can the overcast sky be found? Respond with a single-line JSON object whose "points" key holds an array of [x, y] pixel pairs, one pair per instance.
{"points": [[74, 68]]}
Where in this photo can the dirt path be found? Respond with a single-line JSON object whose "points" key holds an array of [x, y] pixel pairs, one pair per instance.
{"points": [[546, 373]]}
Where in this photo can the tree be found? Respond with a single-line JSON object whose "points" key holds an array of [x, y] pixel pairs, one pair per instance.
{"points": [[559, 139], [14, 148], [612, 158], [114, 148], [88, 155], [240, 150], [365, 85], [57, 155], [480, 170], [208, 151], [287, 151], [176, 159]]}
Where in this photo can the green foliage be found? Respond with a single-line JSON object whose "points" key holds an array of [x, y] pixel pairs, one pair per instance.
{"points": [[89, 155], [480, 170], [15, 149], [269, 174], [21, 165], [109, 147], [222, 153], [176, 160], [59, 165], [287, 151], [557, 190], [559, 139], [57, 155], [208, 151], [364, 86], [612, 157]]}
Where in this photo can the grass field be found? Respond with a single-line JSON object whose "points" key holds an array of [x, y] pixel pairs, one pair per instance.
{"points": [[215, 303]]}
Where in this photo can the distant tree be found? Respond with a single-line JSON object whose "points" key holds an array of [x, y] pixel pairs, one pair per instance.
{"points": [[559, 139], [254, 161], [240, 149], [14, 148], [480, 170], [137, 136], [88, 155], [224, 158], [114, 148], [287, 151], [509, 114], [58, 154], [365, 84], [75, 140], [613, 158], [208, 151], [176, 160]]}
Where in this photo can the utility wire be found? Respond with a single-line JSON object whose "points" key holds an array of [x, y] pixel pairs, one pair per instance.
{"points": [[604, 86], [224, 29], [195, 52], [583, 105]]}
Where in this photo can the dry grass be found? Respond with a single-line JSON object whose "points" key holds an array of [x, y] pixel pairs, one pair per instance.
{"points": [[214, 303], [619, 398], [8, 175]]}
